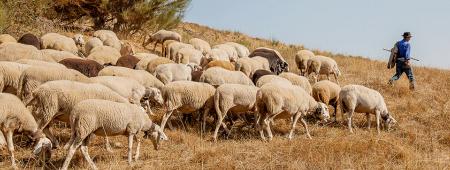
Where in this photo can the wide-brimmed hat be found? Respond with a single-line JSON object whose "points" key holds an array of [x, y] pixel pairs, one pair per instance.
{"points": [[407, 34]]}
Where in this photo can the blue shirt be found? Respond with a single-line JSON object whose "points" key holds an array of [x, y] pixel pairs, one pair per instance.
{"points": [[404, 50]]}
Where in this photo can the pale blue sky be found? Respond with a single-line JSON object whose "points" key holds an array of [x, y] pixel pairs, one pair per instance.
{"points": [[356, 27]]}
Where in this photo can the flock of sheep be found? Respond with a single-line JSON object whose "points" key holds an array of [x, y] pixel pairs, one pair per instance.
{"points": [[103, 87]]}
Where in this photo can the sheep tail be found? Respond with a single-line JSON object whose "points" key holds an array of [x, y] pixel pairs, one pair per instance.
{"points": [[217, 104], [20, 86]]}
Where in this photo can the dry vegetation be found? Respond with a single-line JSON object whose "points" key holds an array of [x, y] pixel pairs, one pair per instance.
{"points": [[421, 140]]}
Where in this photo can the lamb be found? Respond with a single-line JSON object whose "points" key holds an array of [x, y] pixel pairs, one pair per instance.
{"points": [[91, 44], [174, 72], [144, 59], [15, 51], [286, 101], [56, 55], [298, 81], [107, 118], [249, 65], [234, 98], [301, 59], [30, 39], [327, 92], [7, 38], [15, 117], [160, 36], [241, 50], [143, 77], [277, 63], [230, 50], [104, 55], [59, 42], [128, 61], [187, 97], [200, 45], [217, 76], [151, 66], [219, 63], [9, 76], [271, 79], [189, 55], [323, 65], [260, 73], [357, 98], [173, 49], [39, 63], [109, 38], [89, 68]]}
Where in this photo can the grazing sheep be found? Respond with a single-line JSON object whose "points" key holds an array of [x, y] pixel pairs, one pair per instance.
{"points": [[91, 44], [241, 50], [106, 118], [278, 100], [298, 81], [160, 36], [9, 76], [187, 97], [165, 47], [104, 55], [277, 63], [30, 39], [260, 73], [217, 54], [301, 59], [249, 65], [15, 51], [57, 55], [271, 79], [327, 92], [39, 63], [143, 77], [144, 59], [127, 61], [59, 42], [7, 38], [357, 98], [174, 47], [15, 117], [219, 63], [323, 65], [174, 72], [189, 55], [89, 68], [217, 76], [108, 38], [233, 98], [230, 50], [200, 45], [151, 66]]}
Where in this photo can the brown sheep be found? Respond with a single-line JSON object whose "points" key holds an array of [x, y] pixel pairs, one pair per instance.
{"points": [[89, 68], [327, 92], [30, 39], [156, 62], [128, 61], [220, 63], [259, 73]]}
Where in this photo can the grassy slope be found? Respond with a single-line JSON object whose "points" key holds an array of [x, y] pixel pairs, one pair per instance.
{"points": [[421, 139]]}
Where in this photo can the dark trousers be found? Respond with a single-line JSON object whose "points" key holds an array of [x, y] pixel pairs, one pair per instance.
{"points": [[401, 68]]}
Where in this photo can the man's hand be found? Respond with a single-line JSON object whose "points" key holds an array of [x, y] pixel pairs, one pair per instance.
{"points": [[407, 63]]}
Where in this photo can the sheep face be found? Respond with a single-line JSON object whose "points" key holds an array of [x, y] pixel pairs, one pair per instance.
{"points": [[322, 112], [78, 38], [389, 121], [154, 94], [43, 148], [156, 135]]}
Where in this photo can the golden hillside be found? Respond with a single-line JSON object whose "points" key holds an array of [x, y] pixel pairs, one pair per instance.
{"points": [[421, 139]]}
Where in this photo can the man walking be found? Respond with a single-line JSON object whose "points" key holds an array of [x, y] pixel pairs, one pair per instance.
{"points": [[401, 56]]}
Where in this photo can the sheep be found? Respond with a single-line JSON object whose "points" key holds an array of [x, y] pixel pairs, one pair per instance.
{"points": [[128, 61], [260, 73], [173, 49], [219, 63], [241, 50], [200, 45], [9, 75], [151, 66], [298, 81], [301, 59], [107, 118], [286, 101], [104, 55], [174, 72], [323, 65], [91, 44], [59, 42], [39, 63], [249, 65], [30, 39], [327, 92], [108, 38], [187, 97], [15, 51], [36, 75], [127, 49], [15, 117], [7, 38], [217, 54], [89, 68], [78, 39], [357, 98], [277, 63], [217, 76], [160, 36], [271, 79], [234, 98], [230, 50], [143, 77], [189, 55], [165, 47], [144, 59], [57, 55]]}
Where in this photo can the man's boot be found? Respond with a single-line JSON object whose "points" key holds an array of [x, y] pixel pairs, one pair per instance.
{"points": [[412, 85]]}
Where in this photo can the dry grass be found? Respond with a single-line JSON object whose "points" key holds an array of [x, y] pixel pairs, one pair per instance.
{"points": [[420, 141]]}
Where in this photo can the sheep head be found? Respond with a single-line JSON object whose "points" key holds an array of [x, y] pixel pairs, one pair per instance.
{"points": [[389, 121], [322, 112], [154, 94], [79, 40], [156, 135]]}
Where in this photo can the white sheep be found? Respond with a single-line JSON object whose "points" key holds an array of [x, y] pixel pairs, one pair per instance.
{"points": [[109, 38], [91, 44], [301, 59], [15, 117], [271, 79], [327, 92], [200, 45], [241, 50], [249, 65], [39, 63], [286, 101], [160, 36], [233, 98], [14, 51], [217, 76], [298, 81], [187, 97], [104, 55], [58, 42], [323, 65], [7, 38], [56, 55], [357, 98], [174, 72], [142, 76], [144, 59], [107, 118], [165, 47], [189, 55], [9, 76], [217, 54], [230, 50], [173, 49]]}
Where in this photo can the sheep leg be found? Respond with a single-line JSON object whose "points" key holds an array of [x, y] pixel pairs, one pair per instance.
{"points": [[138, 148], [108, 145], [165, 118], [9, 140], [335, 78], [377, 113], [349, 121], [205, 114], [130, 148], [306, 128], [328, 76], [268, 130], [2, 140], [259, 125], [368, 121], [294, 122], [77, 142], [84, 151], [218, 123]]}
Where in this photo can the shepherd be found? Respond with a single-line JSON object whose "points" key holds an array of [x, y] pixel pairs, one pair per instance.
{"points": [[400, 57]]}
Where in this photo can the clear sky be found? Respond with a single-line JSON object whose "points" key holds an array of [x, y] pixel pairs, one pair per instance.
{"points": [[356, 27]]}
